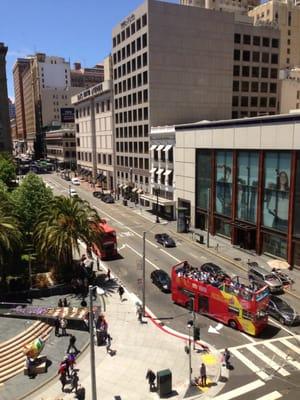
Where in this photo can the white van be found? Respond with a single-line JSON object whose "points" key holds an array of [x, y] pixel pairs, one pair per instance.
{"points": [[75, 181]]}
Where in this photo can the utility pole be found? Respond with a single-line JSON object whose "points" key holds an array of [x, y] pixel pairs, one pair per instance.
{"points": [[92, 345], [208, 217], [157, 217], [144, 272]]}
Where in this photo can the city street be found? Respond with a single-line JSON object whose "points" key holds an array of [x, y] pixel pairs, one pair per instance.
{"points": [[263, 366]]}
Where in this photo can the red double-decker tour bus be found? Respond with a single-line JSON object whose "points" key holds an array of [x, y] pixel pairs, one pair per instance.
{"points": [[108, 248], [222, 299]]}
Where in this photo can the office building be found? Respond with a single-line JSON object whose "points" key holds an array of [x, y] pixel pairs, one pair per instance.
{"points": [[5, 133], [86, 77], [290, 90], [19, 67], [237, 6], [243, 176], [61, 147]]}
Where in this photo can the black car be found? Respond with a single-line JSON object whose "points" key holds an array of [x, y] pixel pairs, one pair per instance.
{"points": [[213, 269], [108, 199], [282, 311], [162, 280], [165, 240], [98, 195]]}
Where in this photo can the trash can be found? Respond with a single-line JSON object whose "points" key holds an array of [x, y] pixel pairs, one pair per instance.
{"points": [[201, 239], [164, 382], [124, 202], [100, 337]]}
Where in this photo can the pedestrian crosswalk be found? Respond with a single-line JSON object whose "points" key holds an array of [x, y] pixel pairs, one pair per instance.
{"points": [[267, 359]]}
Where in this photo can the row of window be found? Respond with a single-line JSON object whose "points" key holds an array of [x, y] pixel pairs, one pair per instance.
{"points": [[129, 147], [256, 40], [135, 98], [104, 106], [131, 48], [134, 162], [246, 114], [131, 83], [245, 101], [264, 72], [130, 30], [163, 180], [132, 131], [263, 87], [101, 158], [163, 157], [63, 96], [131, 66], [141, 114], [245, 55], [125, 175]]}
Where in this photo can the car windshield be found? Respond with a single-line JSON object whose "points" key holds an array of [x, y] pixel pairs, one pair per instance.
{"points": [[163, 277], [282, 305], [271, 277]]}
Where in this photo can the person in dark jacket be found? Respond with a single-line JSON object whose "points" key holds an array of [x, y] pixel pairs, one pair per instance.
{"points": [[150, 376], [57, 326], [121, 292], [72, 342]]}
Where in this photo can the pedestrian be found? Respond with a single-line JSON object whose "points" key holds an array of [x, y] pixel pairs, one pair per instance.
{"points": [[71, 361], [65, 302], [74, 382], [139, 312], [56, 326], [63, 325], [72, 342], [63, 380], [108, 274], [30, 368], [121, 292], [108, 343], [227, 356], [64, 366], [151, 379], [60, 303], [203, 375]]}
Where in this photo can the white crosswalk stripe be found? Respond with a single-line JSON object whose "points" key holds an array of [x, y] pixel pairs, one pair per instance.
{"points": [[268, 361], [291, 346], [250, 364], [240, 390], [270, 396], [285, 356]]}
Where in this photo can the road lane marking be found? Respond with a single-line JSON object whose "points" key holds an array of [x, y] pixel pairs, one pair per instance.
{"points": [[283, 355], [241, 390], [291, 346], [140, 255], [268, 361], [281, 327], [270, 396], [250, 364], [249, 338], [170, 255]]}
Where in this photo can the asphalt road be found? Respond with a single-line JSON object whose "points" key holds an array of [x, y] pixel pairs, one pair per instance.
{"points": [[249, 363]]}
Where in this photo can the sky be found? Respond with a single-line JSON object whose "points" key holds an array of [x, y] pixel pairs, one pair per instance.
{"points": [[78, 30]]}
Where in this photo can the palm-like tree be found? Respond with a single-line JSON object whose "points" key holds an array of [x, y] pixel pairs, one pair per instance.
{"points": [[62, 224], [10, 237]]}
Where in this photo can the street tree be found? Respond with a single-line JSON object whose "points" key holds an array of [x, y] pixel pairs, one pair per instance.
{"points": [[61, 226], [7, 170], [30, 198]]}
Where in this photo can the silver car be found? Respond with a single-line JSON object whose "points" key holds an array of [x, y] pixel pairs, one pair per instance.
{"points": [[262, 277]]}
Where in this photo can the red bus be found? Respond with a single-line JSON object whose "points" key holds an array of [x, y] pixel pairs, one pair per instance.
{"points": [[224, 300], [108, 248]]}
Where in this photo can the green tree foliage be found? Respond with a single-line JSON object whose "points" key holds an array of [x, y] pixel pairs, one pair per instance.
{"points": [[7, 170], [62, 225], [30, 198]]}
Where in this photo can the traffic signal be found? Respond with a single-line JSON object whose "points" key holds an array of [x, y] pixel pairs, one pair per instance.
{"points": [[196, 333]]}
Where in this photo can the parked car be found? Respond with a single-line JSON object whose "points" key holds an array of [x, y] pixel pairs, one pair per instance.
{"points": [[261, 277], [282, 311], [75, 181], [98, 195], [73, 192], [162, 280], [108, 199], [165, 240], [213, 269]]}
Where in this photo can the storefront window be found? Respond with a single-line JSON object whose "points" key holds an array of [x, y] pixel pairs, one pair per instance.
{"points": [[247, 181], [224, 182], [297, 199], [276, 190], [203, 177], [274, 245], [223, 228]]}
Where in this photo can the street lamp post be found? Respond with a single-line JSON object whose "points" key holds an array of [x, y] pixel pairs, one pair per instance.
{"points": [[208, 217], [189, 325], [92, 345], [157, 217]]}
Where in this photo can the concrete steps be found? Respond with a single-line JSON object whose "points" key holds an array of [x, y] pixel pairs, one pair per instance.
{"points": [[11, 351]]}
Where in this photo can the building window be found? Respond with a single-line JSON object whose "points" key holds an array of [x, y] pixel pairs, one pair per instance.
{"points": [[223, 182], [247, 180], [144, 20], [245, 86], [246, 39], [236, 55], [255, 56], [264, 73], [272, 102], [236, 86], [256, 40], [236, 70], [264, 87], [273, 87], [275, 43], [144, 40], [266, 42], [274, 59], [276, 190], [255, 72], [235, 101], [237, 38], [265, 57], [138, 24], [274, 245], [246, 55], [132, 28], [244, 101], [245, 71], [274, 73], [254, 101], [263, 102]]}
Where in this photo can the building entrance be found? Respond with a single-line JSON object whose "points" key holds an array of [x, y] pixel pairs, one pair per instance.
{"points": [[246, 237]]}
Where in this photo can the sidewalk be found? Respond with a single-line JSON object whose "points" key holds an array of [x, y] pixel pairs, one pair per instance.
{"points": [[139, 347]]}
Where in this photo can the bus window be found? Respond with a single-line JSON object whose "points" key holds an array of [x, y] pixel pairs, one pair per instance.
{"points": [[203, 304]]}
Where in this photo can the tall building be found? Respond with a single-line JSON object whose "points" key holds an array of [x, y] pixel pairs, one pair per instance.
{"points": [[239, 6], [5, 133], [286, 15], [11, 109], [86, 77], [173, 64], [19, 67]]}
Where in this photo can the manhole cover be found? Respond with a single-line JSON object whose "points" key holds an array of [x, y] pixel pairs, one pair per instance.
{"points": [[237, 259]]}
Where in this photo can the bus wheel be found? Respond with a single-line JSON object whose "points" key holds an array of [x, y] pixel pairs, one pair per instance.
{"points": [[232, 324]]}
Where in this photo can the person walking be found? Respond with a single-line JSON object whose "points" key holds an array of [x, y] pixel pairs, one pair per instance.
{"points": [[60, 303], [56, 326], [108, 342], [227, 356], [121, 292], [63, 380], [63, 325], [139, 312], [203, 375], [65, 302], [72, 342], [74, 382], [150, 376]]}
